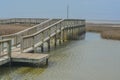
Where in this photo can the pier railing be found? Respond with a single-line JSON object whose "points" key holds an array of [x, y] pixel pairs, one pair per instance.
{"points": [[22, 20], [5, 48], [37, 39], [16, 38]]}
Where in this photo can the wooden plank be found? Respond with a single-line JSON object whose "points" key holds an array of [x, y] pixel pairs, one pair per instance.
{"points": [[4, 60], [17, 56], [29, 57]]}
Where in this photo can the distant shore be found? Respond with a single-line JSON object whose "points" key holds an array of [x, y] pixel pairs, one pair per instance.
{"points": [[107, 30]]}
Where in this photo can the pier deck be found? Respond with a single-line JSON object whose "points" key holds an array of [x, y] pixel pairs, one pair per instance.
{"points": [[4, 60], [25, 57], [29, 57], [15, 47]]}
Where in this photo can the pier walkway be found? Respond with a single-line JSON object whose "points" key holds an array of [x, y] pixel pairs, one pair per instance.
{"points": [[17, 47]]}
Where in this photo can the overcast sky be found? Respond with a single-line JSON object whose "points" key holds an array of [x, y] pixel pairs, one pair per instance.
{"points": [[87, 9]]}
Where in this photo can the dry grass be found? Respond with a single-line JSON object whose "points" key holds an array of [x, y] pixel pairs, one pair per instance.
{"points": [[113, 34], [7, 29], [108, 31], [101, 27]]}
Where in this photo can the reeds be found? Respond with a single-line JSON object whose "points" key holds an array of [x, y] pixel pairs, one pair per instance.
{"points": [[108, 31], [7, 29], [113, 34]]}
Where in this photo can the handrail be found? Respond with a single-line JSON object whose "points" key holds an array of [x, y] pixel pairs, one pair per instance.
{"points": [[27, 29], [42, 35], [6, 40], [42, 30], [34, 26], [22, 20], [51, 26], [5, 48], [17, 36], [39, 33], [74, 19]]}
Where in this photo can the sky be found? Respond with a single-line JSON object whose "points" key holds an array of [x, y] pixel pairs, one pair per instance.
{"points": [[80, 9]]}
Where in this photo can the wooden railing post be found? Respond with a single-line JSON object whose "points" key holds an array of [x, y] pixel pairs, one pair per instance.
{"points": [[42, 46], [22, 44], [55, 36], [44, 34], [60, 34], [15, 40], [49, 39], [33, 44], [9, 49], [63, 36]]}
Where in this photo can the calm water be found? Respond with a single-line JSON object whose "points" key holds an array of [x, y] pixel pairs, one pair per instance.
{"points": [[90, 59], [105, 21]]}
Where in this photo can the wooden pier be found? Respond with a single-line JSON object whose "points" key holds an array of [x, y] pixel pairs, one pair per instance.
{"points": [[25, 57], [16, 47], [14, 55], [30, 57]]}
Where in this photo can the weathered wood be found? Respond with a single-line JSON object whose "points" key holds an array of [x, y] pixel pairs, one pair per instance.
{"points": [[34, 37], [5, 53], [42, 47], [55, 42], [29, 57], [48, 44], [16, 38], [9, 49], [22, 20]]}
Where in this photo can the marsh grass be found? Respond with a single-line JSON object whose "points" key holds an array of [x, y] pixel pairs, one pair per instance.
{"points": [[6, 29], [112, 34], [108, 31]]}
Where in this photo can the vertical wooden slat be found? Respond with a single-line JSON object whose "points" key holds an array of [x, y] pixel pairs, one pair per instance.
{"points": [[9, 49]]}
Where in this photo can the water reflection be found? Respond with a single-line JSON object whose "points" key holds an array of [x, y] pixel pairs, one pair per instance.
{"points": [[90, 59]]}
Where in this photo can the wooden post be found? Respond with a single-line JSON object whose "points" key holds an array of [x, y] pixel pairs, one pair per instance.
{"points": [[60, 34], [48, 44], [46, 61], [21, 45], [33, 44], [55, 36], [63, 35], [16, 40], [79, 30], [0, 48], [55, 42], [76, 32], [73, 36], [2, 45], [60, 38], [42, 46], [9, 49], [49, 39]]}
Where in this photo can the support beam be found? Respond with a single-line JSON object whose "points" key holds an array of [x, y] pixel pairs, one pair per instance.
{"points": [[55, 41], [60, 41], [48, 44], [42, 48]]}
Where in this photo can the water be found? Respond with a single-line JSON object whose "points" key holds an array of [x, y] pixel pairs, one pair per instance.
{"points": [[104, 21], [90, 59]]}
